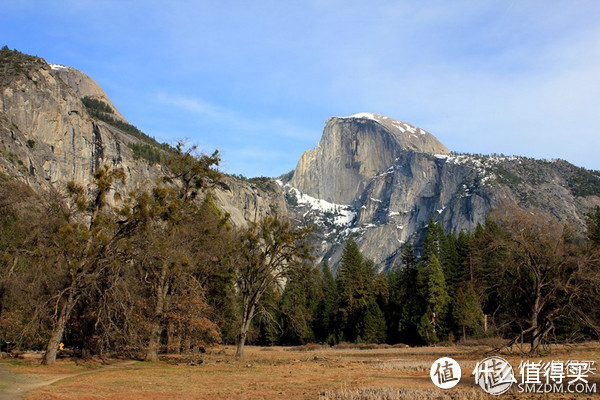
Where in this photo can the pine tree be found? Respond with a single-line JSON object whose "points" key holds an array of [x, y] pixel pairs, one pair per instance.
{"points": [[362, 292], [451, 266], [413, 304], [326, 309], [297, 306], [409, 259], [463, 248], [371, 326], [437, 294], [437, 298], [432, 244], [405, 302], [353, 293], [467, 311], [425, 327]]}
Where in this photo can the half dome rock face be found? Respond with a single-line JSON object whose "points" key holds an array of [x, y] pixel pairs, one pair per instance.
{"points": [[355, 149], [380, 180]]}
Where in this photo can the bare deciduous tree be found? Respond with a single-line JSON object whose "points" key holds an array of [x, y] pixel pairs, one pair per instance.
{"points": [[267, 253], [541, 274]]}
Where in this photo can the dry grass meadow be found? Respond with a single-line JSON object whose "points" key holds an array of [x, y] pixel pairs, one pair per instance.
{"points": [[310, 372]]}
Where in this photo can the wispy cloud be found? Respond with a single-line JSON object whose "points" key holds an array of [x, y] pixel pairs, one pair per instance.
{"points": [[256, 124], [196, 106]]}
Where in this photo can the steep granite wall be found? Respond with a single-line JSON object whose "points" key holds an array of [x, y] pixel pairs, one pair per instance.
{"points": [[385, 181], [355, 149], [47, 139]]}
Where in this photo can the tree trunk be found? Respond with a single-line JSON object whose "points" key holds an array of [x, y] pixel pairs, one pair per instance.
{"points": [[173, 340], [58, 330], [156, 330], [154, 342], [535, 336], [186, 345], [247, 316], [239, 353], [535, 341]]}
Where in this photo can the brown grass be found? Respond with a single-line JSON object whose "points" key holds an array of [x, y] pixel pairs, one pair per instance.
{"points": [[402, 394], [284, 373]]}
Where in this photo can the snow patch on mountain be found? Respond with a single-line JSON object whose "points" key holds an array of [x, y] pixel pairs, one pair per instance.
{"points": [[364, 115], [339, 214], [58, 67]]}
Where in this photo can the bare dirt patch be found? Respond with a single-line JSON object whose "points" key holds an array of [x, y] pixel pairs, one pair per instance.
{"points": [[19, 377]]}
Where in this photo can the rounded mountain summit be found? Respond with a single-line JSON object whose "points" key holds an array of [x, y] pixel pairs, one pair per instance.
{"points": [[355, 149]]}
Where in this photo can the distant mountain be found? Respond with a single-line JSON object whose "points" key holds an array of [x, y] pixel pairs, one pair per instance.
{"points": [[370, 176], [380, 180]]}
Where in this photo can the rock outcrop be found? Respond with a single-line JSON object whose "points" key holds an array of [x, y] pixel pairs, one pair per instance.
{"points": [[47, 138], [84, 86], [247, 201]]}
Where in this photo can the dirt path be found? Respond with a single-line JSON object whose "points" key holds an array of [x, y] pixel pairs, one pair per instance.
{"points": [[14, 386]]}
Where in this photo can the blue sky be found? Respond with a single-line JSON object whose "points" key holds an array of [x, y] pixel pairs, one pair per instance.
{"points": [[258, 79]]}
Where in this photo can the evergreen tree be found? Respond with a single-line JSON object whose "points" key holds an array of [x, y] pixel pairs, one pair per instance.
{"points": [[425, 327], [436, 298], [432, 244], [326, 309], [453, 270], [297, 306], [353, 292], [377, 284], [409, 259], [463, 248], [467, 311], [371, 326], [406, 304], [361, 290]]}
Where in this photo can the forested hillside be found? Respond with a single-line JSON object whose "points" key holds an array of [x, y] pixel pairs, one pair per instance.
{"points": [[166, 274]]}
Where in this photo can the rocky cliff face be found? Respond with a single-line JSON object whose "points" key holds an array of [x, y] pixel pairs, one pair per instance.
{"points": [[370, 176], [355, 149], [381, 180], [84, 86], [47, 138], [250, 200]]}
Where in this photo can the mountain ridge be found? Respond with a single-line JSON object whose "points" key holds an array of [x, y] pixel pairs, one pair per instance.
{"points": [[392, 199], [371, 177]]}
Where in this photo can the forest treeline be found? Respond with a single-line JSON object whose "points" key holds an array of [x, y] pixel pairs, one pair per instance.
{"points": [[166, 272]]}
